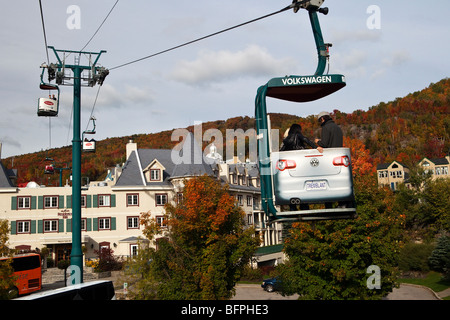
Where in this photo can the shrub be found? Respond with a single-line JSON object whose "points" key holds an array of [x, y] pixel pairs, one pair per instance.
{"points": [[250, 274], [107, 261], [414, 257]]}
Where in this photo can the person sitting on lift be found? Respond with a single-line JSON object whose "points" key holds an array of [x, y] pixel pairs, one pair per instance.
{"points": [[295, 140], [332, 136]]}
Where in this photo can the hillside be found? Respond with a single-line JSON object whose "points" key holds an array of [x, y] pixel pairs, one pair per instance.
{"points": [[405, 130]]}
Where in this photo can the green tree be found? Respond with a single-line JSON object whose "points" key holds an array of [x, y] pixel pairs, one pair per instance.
{"points": [[440, 257], [140, 278], [207, 245], [7, 280], [425, 203]]}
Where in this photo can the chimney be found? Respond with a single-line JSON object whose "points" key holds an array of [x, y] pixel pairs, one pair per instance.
{"points": [[131, 146]]}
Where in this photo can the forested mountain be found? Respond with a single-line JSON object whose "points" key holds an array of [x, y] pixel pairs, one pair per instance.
{"points": [[405, 130]]}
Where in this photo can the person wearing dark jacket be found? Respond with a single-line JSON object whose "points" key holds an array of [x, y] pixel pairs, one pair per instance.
{"points": [[332, 136], [295, 140]]}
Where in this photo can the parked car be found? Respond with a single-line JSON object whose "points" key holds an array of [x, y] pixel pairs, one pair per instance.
{"points": [[308, 176], [272, 284]]}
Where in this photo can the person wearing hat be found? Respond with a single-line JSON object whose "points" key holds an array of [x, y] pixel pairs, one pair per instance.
{"points": [[332, 136]]}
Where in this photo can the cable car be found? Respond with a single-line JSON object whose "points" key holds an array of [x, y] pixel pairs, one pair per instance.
{"points": [[304, 176], [49, 169], [48, 107], [89, 145]]}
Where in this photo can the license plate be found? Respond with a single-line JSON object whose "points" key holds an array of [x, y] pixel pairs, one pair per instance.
{"points": [[316, 185]]}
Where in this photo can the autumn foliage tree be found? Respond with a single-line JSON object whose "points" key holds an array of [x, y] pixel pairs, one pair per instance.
{"points": [[7, 279], [207, 244]]}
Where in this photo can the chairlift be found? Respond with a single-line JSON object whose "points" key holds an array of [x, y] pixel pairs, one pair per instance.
{"points": [[89, 145], [49, 169], [295, 177], [48, 107]]}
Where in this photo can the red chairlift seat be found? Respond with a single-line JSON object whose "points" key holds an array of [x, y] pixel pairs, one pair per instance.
{"points": [[49, 169], [48, 86]]}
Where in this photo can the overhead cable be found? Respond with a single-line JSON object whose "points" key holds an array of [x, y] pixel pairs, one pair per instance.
{"points": [[104, 20], [293, 5], [43, 28]]}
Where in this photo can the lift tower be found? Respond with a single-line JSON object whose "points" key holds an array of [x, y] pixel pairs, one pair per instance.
{"points": [[76, 75]]}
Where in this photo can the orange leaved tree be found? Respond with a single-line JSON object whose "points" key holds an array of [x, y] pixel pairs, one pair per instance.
{"points": [[207, 243]]}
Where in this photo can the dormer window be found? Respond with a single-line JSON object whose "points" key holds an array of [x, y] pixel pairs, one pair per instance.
{"points": [[154, 171], [155, 174]]}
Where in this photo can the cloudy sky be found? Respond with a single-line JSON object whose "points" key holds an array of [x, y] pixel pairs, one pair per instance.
{"points": [[386, 49]]}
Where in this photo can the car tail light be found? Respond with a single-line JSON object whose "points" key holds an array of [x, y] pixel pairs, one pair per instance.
{"points": [[286, 164], [341, 161]]}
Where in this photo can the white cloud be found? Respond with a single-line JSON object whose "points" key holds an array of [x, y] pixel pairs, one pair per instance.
{"points": [[216, 66], [364, 35], [112, 97], [352, 64], [390, 61]]}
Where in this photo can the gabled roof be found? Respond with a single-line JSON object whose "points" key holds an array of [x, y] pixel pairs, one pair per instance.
{"points": [[437, 161], [384, 166], [5, 181], [186, 162]]}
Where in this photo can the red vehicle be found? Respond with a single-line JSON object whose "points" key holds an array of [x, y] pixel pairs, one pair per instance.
{"points": [[27, 269]]}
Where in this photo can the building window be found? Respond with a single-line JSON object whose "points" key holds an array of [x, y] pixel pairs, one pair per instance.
{"points": [[161, 221], [50, 225], [132, 200], [179, 197], [132, 222], [161, 199], [155, 174], [104, 200], [250, 219], [134, 250], [249, 201], [23, 226], [83, 201], [24, 202], [83, 224], [51, 202], [382, 174], [240, 199], [104, 223]]}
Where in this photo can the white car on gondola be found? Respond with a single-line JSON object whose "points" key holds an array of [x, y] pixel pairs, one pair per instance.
{"points": [[308, 176]]}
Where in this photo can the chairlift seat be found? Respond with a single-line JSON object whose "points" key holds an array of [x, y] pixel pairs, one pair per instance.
{"points": [[48, 86], [48, 107], [89, 145], [49, 169], [304, 88]]}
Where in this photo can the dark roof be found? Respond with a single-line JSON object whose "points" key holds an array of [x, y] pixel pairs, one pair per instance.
{"points": [[5, 181], [439, 161], [185, 162], [383, 166]]}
